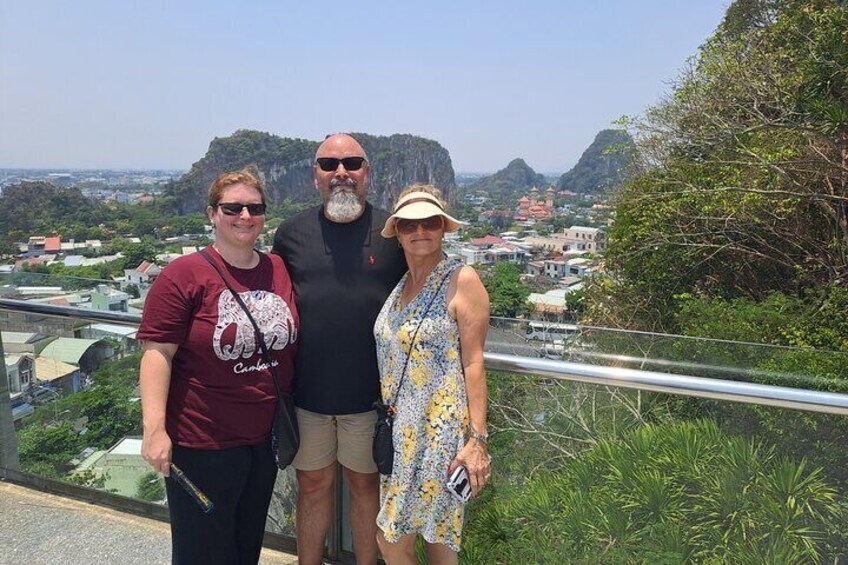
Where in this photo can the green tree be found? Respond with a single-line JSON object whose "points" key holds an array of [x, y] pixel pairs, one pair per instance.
{"points": [[507, 294], [109, 410], [47, 449], [39, 208], [89, 478], [745, 183], [135, 253], [151, 487]]}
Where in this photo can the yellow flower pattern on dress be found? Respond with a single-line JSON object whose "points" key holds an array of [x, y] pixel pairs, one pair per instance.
{"points": [[387, 384], [418, 375], [404, 338], [418, 355], [431, 404], [429, 490], [410, 440]]}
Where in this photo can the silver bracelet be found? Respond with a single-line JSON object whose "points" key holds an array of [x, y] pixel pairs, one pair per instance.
{"points": [[484, 438]]}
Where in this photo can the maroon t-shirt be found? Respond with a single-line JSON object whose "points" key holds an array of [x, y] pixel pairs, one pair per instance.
{"points": [[221, 393]]}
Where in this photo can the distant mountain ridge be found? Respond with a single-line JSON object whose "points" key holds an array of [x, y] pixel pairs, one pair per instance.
{"points": [[516, 177], [285, 165], [36, 208], [604, 164]]}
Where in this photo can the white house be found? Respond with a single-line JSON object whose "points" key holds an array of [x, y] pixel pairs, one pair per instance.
{"points": [[581, 238], [142, 275], [555, 268]]}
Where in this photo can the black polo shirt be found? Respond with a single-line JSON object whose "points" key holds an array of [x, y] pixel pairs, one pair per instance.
{"points": [[342, 274]]}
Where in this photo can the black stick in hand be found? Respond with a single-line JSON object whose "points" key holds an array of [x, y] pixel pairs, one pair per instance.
{"points": [[197, 494]]}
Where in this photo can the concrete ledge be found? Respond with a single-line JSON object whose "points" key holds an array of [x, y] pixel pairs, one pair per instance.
{"points": [[41, 528]]}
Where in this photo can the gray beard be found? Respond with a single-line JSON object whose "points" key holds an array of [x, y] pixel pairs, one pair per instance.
{"points": [[344, 206]]}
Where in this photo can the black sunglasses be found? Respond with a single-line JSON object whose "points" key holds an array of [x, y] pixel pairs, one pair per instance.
{"points": [[235, 208], [330, 164]]}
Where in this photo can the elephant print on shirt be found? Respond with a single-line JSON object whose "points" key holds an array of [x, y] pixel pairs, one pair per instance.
{"points": [[271, 313]]}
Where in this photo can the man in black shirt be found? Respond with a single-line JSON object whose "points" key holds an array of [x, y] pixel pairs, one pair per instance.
{"points": [[343, 271]]}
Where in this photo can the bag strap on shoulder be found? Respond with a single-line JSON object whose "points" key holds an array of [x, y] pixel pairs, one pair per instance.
{"points": [[259, 335], [418, 327]]}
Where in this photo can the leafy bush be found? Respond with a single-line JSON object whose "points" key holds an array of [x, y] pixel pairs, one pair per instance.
{"points": [[151, 487], [678, 493], [45, 446]]}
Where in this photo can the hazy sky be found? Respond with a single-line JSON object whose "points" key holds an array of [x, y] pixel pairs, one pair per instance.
{"points": [[124, 83]]}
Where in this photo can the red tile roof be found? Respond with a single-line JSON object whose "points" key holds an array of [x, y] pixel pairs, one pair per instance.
{"points": [[488, 240], [53, 244]]}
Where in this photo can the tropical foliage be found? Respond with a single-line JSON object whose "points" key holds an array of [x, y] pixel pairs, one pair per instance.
{"points": [[745, 189], [681, 493], [98, 417], [507, 294], [151, 487]]}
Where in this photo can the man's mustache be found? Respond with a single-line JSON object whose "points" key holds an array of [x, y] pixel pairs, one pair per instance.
{"points": [[343, 183]]}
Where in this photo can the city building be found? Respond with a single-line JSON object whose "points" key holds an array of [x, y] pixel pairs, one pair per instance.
{"points": [[142, 275], [60, 377], [19, 373], [25, 342], [107, 298], [581, 238], [121, 466], [123, 335], [87, 354], [534, 208]]}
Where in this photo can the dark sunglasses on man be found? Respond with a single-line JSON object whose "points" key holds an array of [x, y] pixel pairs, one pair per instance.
{"points": [[330, 164], [235, 208]]}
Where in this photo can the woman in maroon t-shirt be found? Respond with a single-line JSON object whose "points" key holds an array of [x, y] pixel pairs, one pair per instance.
{"points": [[208, 399]]}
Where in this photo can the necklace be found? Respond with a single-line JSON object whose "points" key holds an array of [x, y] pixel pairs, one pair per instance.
{"points": [[250, 262]]}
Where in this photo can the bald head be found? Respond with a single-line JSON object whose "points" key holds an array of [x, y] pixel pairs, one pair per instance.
{"points": [[342, 186], [340, 145]]}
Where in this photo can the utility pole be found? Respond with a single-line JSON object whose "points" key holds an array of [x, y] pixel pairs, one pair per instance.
{"points": [[8, 438]]}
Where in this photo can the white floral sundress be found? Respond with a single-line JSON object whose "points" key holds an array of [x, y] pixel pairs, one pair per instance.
{"points": [[432, 412]]}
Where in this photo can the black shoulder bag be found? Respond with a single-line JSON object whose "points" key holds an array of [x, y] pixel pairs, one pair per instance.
{"points": [[383, 447], [285, 436]]}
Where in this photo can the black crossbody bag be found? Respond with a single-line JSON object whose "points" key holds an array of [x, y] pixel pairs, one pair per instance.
{"points": [[285, 436], [383, 446]]}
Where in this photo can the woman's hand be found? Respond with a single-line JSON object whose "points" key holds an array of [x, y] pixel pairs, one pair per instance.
{"points": [[475, 459], [156, 450]]}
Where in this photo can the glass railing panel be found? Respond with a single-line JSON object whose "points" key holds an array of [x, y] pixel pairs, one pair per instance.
{"points": [[75, 404], [591, 474], [702, 357], [583, 473]]}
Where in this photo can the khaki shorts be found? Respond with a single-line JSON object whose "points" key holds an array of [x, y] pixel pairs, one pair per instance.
{"points": [[325, 439]]}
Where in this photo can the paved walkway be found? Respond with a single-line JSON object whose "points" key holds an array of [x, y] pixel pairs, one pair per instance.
{"points": [[39, 529]]}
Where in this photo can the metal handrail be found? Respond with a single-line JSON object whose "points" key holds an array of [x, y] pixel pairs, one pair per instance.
{"points": [[702, 387], [685, 385], [89, 315]]}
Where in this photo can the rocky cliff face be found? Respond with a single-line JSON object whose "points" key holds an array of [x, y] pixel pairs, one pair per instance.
{"points": [[285, 166], [517, 178], [604, 164], [400, 160]]}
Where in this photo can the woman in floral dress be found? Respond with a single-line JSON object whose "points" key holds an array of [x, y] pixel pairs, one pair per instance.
{"points": [[430, 335]]}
